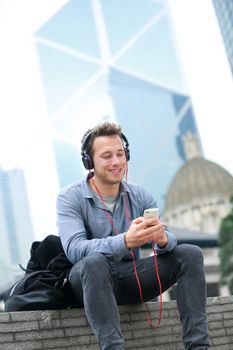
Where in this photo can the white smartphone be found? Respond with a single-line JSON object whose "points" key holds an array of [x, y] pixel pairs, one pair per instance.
{"points": [[150, 213]]}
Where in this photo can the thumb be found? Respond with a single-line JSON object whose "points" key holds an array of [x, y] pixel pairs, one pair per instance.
{"points": [[138, 220]]}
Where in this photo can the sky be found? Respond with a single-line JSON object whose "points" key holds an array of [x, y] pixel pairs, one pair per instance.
{"points": [[23, 142]]}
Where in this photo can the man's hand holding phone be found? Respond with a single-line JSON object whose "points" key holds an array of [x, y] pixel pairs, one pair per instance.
{"points": [[145, 229]]}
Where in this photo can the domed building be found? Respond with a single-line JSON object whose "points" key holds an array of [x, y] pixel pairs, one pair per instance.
{"points": [[196, 201], [198, 196]]}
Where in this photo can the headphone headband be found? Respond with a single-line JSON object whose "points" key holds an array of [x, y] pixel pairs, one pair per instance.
{"points": [[87, 159], [86, 141]]}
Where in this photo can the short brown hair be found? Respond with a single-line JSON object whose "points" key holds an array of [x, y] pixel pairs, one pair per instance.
{"points": [[102, 129]]}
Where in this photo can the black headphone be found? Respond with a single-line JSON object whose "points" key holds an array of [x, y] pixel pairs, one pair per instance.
{"points": [[87, 159]]}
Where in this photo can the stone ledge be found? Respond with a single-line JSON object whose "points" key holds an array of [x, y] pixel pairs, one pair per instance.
{"points": [[69, 330]]}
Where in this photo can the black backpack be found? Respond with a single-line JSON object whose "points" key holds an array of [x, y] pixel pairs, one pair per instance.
{"points": [[45, 284]]}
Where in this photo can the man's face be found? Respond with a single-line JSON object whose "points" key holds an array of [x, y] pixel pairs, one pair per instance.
{"points": [[109, 159]]}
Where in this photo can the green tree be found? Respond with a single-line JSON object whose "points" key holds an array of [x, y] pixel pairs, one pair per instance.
{"points": [[226, 249]]}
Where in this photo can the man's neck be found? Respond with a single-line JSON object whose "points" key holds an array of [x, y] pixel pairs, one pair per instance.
{"points": [[104, 189]]}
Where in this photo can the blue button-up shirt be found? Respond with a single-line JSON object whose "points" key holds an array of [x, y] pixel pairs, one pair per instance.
{"points": [[84, 228]]}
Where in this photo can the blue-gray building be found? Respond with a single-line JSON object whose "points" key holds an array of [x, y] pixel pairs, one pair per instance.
{"points": [[154, 119], [116, 59]]}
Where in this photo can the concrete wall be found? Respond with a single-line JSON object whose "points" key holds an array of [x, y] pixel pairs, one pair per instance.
{"points": [[68, 329]]}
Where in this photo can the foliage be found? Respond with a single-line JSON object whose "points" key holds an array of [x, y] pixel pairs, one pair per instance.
{"points": [[226, 249]]}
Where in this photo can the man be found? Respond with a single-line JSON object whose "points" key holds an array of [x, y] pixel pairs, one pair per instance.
{"points": [[101, 226]]}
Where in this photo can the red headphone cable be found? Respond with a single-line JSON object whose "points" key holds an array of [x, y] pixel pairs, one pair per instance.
{"points": [[149, 319]]}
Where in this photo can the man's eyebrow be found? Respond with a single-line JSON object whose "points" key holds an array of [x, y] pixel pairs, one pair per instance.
{"points": [[105, 152], [109, 152]]}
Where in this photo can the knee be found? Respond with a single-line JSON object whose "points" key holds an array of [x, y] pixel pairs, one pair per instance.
{"points": [[189, 255]]}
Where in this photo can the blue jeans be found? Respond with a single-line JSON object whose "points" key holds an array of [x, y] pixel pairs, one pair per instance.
{"points": [[100, 284]]}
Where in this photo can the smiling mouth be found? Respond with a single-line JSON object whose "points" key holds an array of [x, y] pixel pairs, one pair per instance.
{"points": [[115, 171]]}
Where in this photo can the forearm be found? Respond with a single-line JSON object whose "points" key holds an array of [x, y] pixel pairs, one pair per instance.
{"points": [[79, 247]]}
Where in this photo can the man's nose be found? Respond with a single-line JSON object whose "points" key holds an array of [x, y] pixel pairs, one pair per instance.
{"points": [[115, 159]]}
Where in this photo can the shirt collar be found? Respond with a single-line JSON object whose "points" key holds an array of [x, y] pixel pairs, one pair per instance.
{"points": [[87, 193]]}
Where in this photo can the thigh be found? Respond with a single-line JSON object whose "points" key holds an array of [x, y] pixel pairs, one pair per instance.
{"points": [[90, 273], [125, 283]]}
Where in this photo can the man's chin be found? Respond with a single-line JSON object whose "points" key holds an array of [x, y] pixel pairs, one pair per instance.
{"points": [[114, 181]]}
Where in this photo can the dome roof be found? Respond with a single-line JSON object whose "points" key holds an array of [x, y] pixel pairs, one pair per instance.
{"points": [[198, 178]]}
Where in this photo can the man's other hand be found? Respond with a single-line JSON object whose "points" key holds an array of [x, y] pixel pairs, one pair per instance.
{"points": [[143, 230]]}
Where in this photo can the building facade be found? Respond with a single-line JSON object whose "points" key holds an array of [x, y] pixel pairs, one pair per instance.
{"points": [[198, 198]]}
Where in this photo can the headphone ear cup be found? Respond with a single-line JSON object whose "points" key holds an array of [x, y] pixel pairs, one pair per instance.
{"points": [[127, 154], [87, 161]]}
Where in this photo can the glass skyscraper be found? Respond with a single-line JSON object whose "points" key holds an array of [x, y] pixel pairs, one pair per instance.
{"points": [[154, 119], [224, 12], [116, 60]]}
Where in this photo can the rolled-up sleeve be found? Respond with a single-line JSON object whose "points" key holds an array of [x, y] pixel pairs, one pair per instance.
{"points": [[172, 242]]}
